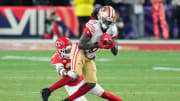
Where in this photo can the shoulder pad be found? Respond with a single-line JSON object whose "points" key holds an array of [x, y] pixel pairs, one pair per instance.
{"points": [[56, 58], [92, 25]]}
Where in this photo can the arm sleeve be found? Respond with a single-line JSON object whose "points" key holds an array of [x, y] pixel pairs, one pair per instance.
{"points": [[87, 32], [90, 28], [115, 37], [54, 59], [114, 32]]}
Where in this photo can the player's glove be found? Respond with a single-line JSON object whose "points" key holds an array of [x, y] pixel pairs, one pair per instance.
{"points": [[102, 45], [60, 69], [106, 37], [71, 74], [112, 45], [106, 42]]}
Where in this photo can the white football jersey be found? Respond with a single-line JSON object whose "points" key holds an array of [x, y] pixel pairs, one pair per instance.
{"points": [[95, 32]]}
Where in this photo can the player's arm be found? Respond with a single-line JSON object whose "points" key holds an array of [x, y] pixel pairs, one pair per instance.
{"points": [[114, 50], [63, 72], [60, 69], [84, 42]]}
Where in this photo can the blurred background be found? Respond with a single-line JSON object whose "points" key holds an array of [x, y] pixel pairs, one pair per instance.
{"points": [[146, 68], [48, 19]]}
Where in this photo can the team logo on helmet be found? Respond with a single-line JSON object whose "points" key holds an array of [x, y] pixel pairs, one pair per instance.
{"points": [[59, 43]]}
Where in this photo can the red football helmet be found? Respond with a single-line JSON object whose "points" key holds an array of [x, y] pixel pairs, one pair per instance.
{"points": [[63, 46]]}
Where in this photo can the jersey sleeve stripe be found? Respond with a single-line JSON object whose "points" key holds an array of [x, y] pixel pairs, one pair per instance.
{"points": [[115, 37], [87, 32], [91, 27]]}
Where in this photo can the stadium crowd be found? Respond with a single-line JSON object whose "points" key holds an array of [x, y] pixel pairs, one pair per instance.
{"points": [[164, 15]]}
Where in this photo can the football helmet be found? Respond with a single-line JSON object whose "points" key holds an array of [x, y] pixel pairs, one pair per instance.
{"points": [[106, 16], [63, 46]]}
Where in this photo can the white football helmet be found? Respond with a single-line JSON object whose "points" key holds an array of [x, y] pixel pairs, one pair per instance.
{"points": [[106, 16]]}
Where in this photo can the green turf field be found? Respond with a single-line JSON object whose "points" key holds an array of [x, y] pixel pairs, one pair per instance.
{"points": [[129, 75]]}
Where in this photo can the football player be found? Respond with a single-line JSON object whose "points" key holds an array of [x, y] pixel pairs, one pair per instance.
{"points": [[62, 62], [99, 33]]}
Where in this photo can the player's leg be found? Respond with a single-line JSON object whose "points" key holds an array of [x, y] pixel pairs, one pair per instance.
{"points": [[46, 92], [77, 60], [63, 81], [89, 74], [163, 22], [155, 20], [99, 91], [72, 89]]}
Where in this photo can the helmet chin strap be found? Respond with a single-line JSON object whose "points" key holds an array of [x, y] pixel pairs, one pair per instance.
{"points": [[104, 26]]}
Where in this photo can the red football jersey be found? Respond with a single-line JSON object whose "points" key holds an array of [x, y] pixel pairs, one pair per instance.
{"points": [[57, 58]]}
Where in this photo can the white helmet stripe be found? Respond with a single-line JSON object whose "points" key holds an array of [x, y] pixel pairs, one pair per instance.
{"points": [[111, 12]]}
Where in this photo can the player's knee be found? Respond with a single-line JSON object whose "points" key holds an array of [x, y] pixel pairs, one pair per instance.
{"points": [[97, 90], [91, 85], [76, 79]]}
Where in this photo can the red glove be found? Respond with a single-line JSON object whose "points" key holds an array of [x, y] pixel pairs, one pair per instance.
{"points": [[107, 46], [102, 45], [106, 41], [112, 45], [106, 37]]}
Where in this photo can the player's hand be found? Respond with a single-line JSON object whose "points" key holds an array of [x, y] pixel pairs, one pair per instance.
{"points": [[106, 41], [106, 46], [72, 74], [106, 38], [112, 45], [103, 45]]}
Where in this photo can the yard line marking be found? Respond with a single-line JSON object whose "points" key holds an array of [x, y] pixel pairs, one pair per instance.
{"points": [[105, 84], [32, 77], [19, 94], [103, 59], [145, 77], [118, 92], [102, 78], [35, 92], [166, 68], [21, 64], [147, 93], [134, 84], [31, 58]]}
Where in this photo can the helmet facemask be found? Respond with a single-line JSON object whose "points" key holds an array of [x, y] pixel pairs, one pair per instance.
{"points": [[105, 23], [63, 46], [65, 52]]}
